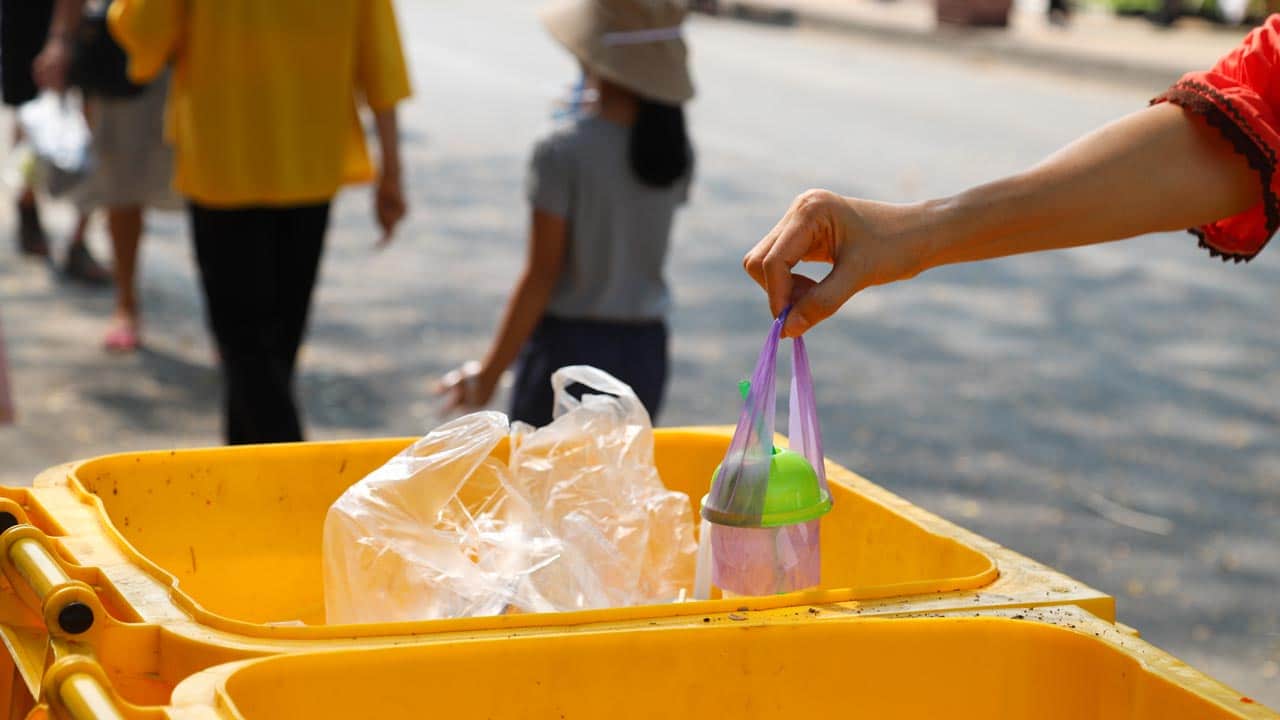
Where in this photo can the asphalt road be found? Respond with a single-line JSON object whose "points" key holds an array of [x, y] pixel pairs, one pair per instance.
{"points": [[1110, 411]]}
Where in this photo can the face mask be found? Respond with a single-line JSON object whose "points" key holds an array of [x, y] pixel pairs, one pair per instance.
{"points": [[573, 104]]}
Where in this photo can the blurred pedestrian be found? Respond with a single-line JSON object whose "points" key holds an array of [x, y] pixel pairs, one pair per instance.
{"points": [[604, 192], [133, 166], [24, 26], [1166, 14], [1059, 12], [263, 115], [1204, 156]]}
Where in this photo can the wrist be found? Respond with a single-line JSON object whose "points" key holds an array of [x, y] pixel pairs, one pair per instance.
{"points": [[911, 238], [489, 375], [389, 172], [60, 38], [937, 229]]}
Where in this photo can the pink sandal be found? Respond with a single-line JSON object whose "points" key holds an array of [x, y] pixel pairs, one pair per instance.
{"points": [[122, 338]]}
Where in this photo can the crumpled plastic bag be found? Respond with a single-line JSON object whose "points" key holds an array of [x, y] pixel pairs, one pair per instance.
{"points": [[575, 518], [60, 155]]}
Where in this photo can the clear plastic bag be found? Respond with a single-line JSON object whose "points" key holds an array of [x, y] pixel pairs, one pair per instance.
{"points": [[577, 518], [59, 141], [591, 474], [436, 532]]}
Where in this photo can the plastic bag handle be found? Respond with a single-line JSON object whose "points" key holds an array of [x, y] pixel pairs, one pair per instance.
{"points": [[594, 379], [803, 429]]}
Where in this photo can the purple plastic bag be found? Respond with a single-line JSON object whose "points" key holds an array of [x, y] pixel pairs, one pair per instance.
{"points": [[802, 415], [737, 493], [766, 561]]}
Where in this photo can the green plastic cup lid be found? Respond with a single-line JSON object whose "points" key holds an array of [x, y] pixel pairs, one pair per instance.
{"points": [[794, 494]]}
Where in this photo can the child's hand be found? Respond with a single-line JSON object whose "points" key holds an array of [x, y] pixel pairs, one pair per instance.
{"points": [[388, 206], [466, 388]]}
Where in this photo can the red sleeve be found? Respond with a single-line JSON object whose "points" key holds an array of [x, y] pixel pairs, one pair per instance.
{"points": [[1240, 97]]}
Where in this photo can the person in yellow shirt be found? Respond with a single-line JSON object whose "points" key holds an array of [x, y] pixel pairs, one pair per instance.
{"points": [[262, 114]]}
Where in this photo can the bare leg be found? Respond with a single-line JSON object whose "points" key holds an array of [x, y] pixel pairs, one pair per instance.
{"points": [[82, 216], [25, 195], [80, 264], [81, 229], [125, 224]]}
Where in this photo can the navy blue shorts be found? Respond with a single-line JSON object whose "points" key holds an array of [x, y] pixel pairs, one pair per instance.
{"points": [[635, 353]]}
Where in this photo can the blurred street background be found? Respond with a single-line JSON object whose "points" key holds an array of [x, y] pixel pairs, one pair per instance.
{"points": [[1112, 411]]}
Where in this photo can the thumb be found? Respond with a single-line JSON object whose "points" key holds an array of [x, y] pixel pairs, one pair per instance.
{"points": [[814, 302], [796, 322], [802, 317]]}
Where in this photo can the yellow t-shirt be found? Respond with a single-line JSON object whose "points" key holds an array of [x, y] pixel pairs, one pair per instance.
{"points": [[262, 106]]}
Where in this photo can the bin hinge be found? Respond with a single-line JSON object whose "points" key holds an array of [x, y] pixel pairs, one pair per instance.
{"points": [[69, 605]]}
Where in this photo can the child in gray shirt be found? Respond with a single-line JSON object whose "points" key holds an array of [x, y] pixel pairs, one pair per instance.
{"points": [[603, 191]]}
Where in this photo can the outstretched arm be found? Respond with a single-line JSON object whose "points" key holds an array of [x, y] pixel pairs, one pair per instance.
{"points": [[1162, 168]]}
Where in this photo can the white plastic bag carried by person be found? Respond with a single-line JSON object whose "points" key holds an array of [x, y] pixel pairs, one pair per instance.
{"points": [[59, 142], [575, 517]]}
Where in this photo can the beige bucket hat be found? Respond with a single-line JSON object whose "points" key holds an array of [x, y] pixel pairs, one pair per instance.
{"points": [[634, 43]]}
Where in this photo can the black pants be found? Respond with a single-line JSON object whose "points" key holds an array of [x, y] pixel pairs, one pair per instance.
{"points": [[258, 267], [635, 353]]}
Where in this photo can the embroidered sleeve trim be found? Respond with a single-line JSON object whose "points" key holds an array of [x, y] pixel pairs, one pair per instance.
{"points": [[1222, 115]]}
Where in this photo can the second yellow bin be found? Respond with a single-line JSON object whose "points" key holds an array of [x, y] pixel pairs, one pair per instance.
{"points": [[997, 665]]}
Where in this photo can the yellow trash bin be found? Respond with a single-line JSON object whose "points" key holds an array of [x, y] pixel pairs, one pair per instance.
{"points": [[185, 559]]}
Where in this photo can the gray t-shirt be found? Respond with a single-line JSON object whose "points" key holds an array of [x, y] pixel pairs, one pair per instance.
{"points": [[618, 228]]}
